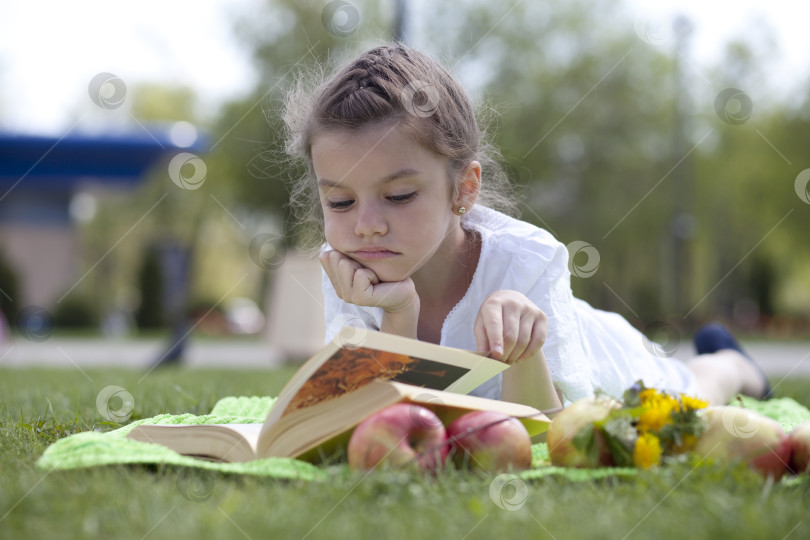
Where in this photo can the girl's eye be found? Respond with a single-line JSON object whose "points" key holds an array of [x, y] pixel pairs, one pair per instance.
{"points": [[339, 205], [402, 199]]}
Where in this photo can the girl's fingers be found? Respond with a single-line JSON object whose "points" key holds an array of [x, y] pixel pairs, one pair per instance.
{"points": [[481, 341], [510, 327], [346, 269], [533, 339], [363, 282], [340, 269], [512, 335], [393, 295], [538, 337], [492, 328], [523, 341], [353, 282], [356, 284]]}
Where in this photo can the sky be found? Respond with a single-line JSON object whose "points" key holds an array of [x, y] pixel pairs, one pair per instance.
{"points": [[51, 49], [716, 22]]}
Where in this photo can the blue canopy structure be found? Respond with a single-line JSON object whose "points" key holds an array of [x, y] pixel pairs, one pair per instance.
{"points": [[56, 163], [43, 172]]}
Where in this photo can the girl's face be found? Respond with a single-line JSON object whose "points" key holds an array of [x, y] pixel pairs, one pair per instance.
{"points": [[386, 199]]}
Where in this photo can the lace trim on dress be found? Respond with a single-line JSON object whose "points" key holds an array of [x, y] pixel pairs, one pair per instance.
{"points": [[465, 299]]}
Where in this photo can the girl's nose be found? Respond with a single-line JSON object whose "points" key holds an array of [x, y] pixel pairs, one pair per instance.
{"points": [[370, 221]]}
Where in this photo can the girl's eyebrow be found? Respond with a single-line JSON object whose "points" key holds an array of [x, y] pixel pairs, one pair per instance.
{"points": [[325, 182]]}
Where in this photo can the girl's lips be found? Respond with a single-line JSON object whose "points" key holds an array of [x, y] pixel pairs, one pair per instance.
{"points": [[374, 253]]}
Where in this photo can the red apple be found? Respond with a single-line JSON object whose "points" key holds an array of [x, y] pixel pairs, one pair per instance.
{"points": [[397, 435], [800, 448], [489, 440], [571, 422], [739, 434]]}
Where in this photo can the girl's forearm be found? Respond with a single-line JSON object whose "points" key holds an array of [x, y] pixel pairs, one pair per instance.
{"points": [[529, 382]]}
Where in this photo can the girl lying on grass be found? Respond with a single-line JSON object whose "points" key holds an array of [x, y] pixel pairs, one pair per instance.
{"points": [[413, 209]]}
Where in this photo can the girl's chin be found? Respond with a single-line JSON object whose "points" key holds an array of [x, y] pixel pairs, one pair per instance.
{"points": [[388, 276], [385, 270], [386, 273]]}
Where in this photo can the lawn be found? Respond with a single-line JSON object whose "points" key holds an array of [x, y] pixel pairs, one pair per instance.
{"points": [[144, 502]]}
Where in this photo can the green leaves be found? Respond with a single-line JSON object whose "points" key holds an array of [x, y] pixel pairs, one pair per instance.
{"points": [[621, 435]]}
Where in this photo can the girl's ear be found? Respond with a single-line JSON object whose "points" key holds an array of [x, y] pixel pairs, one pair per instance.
{"points": [[469, 186]]}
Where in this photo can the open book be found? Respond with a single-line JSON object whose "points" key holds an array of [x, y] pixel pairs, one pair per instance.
{"points": [[357, 374]]}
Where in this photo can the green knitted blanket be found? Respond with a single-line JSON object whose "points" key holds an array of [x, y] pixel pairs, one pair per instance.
{"points": [[90, 449]]}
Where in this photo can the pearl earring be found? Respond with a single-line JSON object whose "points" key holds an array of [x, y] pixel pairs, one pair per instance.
{"points": [[461, 210]]}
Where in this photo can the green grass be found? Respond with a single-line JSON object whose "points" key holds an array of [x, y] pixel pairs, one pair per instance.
{"points": [[145, 502]]}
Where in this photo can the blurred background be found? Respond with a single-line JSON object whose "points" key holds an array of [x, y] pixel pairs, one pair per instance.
{"points": [[143, 179]]}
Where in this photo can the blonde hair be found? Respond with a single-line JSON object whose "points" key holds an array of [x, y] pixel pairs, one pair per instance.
{"points": [[388, 83]]}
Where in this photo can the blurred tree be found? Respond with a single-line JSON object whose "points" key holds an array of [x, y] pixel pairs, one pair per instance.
{"points": [[150, 313], [159, 103], [76, 312], [751, 219], [9, 291]]}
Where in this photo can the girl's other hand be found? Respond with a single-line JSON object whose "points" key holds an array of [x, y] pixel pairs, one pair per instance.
{"points": [[510, 327], [356, 284]]}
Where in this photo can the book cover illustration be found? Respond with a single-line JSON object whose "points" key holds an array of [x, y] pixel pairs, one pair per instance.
{"points": [[349, 369]]}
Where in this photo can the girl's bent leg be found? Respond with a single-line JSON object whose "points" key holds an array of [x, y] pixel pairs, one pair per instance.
{"points": [[724, 374]]}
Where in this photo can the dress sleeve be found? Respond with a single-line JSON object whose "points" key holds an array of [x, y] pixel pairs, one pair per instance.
{"points": [[338, 313], [563, 349]]}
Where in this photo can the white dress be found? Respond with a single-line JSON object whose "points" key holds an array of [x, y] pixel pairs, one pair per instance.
{"points": [[586, 349]]}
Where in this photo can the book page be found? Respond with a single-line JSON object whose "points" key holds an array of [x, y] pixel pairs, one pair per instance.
{"points": [[222, 442], [358, 356], [347, 370]]}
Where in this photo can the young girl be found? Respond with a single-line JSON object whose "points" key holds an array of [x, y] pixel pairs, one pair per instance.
{"points": [[414, 247]]}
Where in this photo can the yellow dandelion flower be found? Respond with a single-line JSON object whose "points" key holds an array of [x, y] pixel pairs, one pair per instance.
{"points": [[656, 414], [689, 402], [647, 451], [652, 419], [648, 395]]}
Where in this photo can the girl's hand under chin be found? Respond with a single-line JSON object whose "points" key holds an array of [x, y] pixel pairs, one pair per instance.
{"points": [[510, 327], [356, 284]]}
